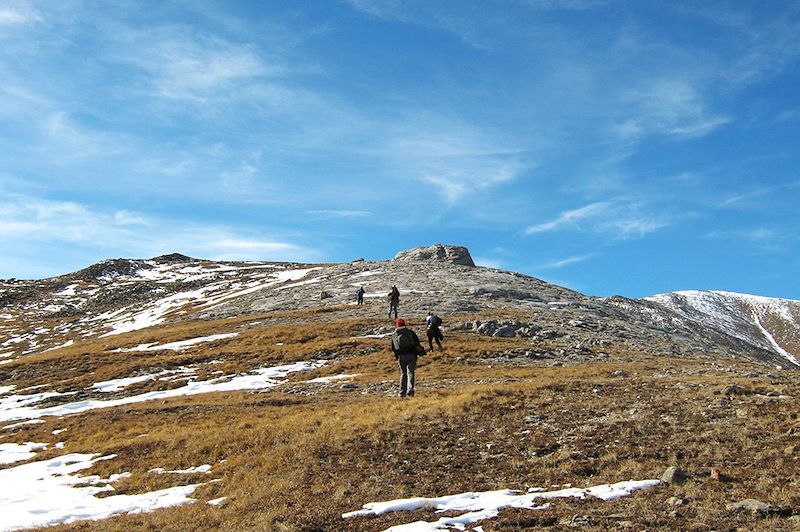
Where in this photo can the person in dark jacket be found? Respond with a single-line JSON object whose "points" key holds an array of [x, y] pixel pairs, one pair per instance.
{"points": [[434, 333], [360, 295], [406, 346], [394, 301]]}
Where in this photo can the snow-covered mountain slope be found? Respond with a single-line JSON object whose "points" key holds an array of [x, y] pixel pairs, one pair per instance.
{"points": [[114, 297], [770, 323]]}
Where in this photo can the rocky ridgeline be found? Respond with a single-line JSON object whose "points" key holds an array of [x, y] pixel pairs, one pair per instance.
{"points": [[440, 278]]}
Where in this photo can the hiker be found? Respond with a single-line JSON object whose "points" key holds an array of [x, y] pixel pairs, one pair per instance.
{"points": [[406, 347], [433, 322], [360, 295], [394, 301]]}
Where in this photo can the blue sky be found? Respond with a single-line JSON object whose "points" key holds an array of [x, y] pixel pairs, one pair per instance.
{"points": [[614, 147]]}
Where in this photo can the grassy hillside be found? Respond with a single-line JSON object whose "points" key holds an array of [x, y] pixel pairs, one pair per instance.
{"points": [[299, 455]]}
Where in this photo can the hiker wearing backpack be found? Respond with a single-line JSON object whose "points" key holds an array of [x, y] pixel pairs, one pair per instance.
{"points": [[406, 347], [433, 323], [360, 295], [394, 301]]}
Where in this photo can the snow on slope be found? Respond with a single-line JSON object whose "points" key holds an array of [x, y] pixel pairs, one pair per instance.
{"points": [[51, 491], [770, 323], [116, 297]]}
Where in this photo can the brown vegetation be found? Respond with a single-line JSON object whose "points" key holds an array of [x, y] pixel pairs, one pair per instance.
{"points": [[297, 456]]}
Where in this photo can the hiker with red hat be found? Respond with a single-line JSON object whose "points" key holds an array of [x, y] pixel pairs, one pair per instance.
{"points": [[406, 347]]}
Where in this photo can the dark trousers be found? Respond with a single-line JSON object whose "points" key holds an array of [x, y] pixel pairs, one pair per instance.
{"points": [[408, 363], [393, 308], [360, 300], [435, 334]]}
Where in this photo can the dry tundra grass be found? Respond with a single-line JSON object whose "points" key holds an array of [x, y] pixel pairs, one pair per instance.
{"points": [[297, 456]]}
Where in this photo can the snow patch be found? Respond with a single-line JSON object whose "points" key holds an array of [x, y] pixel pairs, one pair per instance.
{"points": [[486, 505], [16, 452], [326, 380], [49, 492], [20, 407]]}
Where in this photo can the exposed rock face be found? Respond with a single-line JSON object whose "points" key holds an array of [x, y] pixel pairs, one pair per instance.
{"points": [[172, 258], [439, 253]]}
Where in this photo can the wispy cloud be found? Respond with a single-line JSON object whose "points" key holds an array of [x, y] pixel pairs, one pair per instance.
{"points": [[339, 213], [456, 22], [570, 218], [30, 221], [15, 14], [566, 262], [548, 5], [740, 199], [180, 64], [668, 107], [488, 262], [619, 218], [765, 238], [453, 158]]}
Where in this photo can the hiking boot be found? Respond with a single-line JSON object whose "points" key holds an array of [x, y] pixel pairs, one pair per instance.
{"points": [[411, 393]]}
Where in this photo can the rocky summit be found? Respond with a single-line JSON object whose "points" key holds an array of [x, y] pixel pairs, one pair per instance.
{"points": [[438, 252]]}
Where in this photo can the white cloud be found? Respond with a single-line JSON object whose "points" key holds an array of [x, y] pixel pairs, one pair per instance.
{"points": [[44, 226], [453, 158], [17, 15], [232, 247], [566, 262], [548, 5], [763, 237], [488, 262], [669, 107], [620, 218], [570, 218], [182, 65], [339, 213]]}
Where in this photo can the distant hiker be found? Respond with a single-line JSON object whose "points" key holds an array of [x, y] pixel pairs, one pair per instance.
{"points": [[433, 322], [406, 347], [394, 301], [360, 295]]}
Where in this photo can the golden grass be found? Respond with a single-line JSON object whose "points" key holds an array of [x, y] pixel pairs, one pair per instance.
{"points": [[298, 456]]}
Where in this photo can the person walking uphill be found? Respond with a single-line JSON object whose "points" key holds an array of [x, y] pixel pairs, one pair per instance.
{"points": [[360, 295], [434, 333], [394, 301], [406, 347]]}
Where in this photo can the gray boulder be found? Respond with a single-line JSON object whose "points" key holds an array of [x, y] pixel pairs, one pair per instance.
{"points": [[756, 507], [437, 253], [673, 475]]}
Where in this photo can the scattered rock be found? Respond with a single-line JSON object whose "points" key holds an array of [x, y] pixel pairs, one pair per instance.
{"points": [[675, 501], [734, 389], [673, 475], [580, 521], [620, 373], [325, 295], [756, 507]]}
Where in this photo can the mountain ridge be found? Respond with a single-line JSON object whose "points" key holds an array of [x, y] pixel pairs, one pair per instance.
{"points": [[117, 296]]}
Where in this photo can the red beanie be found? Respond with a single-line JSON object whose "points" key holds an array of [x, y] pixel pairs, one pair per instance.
{"points": [[400, 323]]}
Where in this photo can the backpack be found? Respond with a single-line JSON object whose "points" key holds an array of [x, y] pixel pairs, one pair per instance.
{"points": [[404, 341], [436, 321]]}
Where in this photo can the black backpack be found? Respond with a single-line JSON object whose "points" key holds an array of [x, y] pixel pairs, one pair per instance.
{"points": [[436, 321], [404, 341]]}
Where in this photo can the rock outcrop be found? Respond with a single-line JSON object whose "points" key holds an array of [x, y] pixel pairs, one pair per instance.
{"points": [[438, 253]]}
